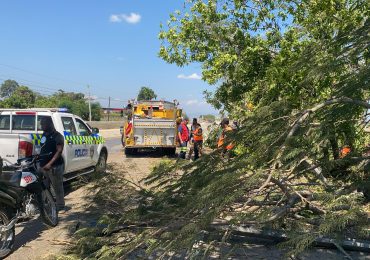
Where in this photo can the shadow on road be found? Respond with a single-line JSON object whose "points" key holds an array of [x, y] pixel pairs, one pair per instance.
{"points": [[150, 153], [31, 230]]}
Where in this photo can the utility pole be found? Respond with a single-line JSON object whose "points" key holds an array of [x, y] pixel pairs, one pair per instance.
{"points": [[108, 108], [88, 87]]}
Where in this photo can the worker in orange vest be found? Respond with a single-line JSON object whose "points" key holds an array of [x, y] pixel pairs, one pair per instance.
{"points": [[345, 151], [198, 141], [221, 140]]}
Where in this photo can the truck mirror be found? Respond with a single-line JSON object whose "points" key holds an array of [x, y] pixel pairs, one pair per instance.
{"points": [[95, 130]]}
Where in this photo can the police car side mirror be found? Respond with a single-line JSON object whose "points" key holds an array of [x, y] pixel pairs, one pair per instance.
{"points": [[95, 130]]}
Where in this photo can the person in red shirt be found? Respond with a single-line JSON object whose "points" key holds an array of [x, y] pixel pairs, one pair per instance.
{"points": [[183, 136]]}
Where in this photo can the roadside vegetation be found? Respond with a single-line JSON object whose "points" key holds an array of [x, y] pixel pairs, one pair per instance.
{"points": [[17, 96]]}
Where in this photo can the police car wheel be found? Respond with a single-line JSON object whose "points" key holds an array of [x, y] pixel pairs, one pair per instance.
{"points": [[102, 162]]}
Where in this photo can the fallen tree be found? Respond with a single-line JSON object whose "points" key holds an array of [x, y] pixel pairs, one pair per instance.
{"points": [[295, 74]]}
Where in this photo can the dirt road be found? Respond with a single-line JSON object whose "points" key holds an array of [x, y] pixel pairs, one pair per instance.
{"points": [[35, 241]]}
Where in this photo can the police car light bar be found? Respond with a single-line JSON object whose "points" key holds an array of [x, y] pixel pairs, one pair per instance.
{"points": [[34, 110], [63, 109]]}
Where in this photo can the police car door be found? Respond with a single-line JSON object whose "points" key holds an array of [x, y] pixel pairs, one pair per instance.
{"points": [[72, 145], [89, 145]]}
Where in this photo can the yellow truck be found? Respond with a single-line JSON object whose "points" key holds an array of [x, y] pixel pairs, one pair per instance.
{"points": [[151, 125]]}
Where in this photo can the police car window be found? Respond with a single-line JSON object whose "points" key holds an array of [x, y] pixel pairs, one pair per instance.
{"points": [[39, 118], [84, 130], [69, 125], [4, 122], [23, 122]]}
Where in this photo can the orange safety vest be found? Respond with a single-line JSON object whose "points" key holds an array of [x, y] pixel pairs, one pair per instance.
{"points": [[345, 151], [196, 136], [221, 140]]}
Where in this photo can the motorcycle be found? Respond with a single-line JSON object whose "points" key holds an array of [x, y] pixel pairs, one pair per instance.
{"points": [[25, 192]]}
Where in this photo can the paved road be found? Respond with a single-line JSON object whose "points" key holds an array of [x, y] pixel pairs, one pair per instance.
{"points": [[113, 144]]}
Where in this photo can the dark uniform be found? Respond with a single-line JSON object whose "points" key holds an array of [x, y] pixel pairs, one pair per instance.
{"points": [[49, 142]]}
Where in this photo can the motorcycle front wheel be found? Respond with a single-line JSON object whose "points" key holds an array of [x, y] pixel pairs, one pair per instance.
{"points": [[49, 211], [7, 237]]}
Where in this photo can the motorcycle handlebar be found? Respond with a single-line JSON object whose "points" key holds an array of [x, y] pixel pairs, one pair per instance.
{"points": [[33, 158], [27, 161]]}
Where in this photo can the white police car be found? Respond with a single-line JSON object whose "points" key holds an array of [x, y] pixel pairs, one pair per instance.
{"points": [[20, 136]]}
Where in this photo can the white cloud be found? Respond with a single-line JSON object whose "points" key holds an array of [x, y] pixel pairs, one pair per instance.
{"points": [[192, 76], [131, 18], [194, 103], [114, 18], [191, 102]]}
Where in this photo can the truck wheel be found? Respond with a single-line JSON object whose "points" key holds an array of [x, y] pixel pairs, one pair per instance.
{"points": [[101, 166], [7, 238]]}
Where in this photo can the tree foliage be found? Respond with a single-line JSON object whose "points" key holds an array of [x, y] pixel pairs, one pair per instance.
{"points": [[8, 87], [74, 102], [21, 97], [208, 117], [146, 93], [295, 74], [24, 97]]}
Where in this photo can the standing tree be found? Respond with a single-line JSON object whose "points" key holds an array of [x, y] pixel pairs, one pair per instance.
{"points": [[75, 102], [8, 87], [146, 93], [22, 97]]}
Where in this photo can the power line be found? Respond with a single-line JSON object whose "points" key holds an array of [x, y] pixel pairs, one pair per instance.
{"points": [[44, 90], [48, 90], [35, 83], [40, 75], [47, 76]]}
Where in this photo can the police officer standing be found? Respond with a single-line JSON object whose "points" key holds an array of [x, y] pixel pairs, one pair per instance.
{"points": [[52, 144]]}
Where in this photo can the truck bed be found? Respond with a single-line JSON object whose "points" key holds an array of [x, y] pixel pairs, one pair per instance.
{"points": [[9, 148]]}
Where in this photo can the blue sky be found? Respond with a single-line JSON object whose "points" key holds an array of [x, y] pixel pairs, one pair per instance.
{"points": [[111, 45]]}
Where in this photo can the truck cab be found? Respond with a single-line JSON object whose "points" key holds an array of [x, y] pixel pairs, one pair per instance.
{"points": [[20, 136]]}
